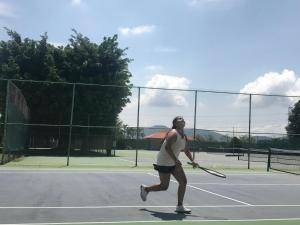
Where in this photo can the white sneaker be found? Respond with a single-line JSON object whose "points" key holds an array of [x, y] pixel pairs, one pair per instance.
{"points": [[144, 193], [182, 209]]}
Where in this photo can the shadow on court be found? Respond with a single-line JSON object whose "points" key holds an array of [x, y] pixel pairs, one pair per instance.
{"points": [[168, 216]]}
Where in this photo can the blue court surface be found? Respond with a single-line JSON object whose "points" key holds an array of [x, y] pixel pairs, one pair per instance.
{"points": [[65, 196]]}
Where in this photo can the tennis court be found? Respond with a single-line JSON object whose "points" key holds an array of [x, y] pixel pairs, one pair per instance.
{"points": [[69, 196], [66, 176]]}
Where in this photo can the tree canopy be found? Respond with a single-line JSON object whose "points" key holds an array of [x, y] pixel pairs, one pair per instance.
{"points": [[293, 127], [80, 61]]}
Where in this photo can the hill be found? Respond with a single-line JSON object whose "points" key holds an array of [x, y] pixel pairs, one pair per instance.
{"points": [[209, 135]]}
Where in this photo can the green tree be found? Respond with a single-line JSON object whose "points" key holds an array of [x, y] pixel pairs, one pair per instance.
{"points": [[121, 134], [236, 142], [104, 64], [80, 61], [131, 133], [244, 139], [293, 127], [210, 138], [199, 138]]}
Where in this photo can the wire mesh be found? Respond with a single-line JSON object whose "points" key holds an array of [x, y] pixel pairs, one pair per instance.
{"points": [[94, 125]]}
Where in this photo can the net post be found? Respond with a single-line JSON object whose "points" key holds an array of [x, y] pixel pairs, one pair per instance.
{"points": [[269, 160], [248, 153]]}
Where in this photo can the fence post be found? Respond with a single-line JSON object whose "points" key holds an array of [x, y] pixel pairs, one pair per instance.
{"points": [[137, 127], [249, 132], [195, 118], [71, 125]]}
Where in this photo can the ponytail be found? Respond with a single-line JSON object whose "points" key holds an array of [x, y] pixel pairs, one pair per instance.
{"points": [[173, 127], [162, 141]]}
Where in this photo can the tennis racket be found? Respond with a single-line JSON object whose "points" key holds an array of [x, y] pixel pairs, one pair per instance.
{"points": [[213, 172]]}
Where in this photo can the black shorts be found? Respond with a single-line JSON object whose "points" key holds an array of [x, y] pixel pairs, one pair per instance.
{"points": [[164, 169]]}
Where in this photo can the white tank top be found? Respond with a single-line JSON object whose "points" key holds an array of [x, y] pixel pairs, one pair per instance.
{"points": [[163, 157]]}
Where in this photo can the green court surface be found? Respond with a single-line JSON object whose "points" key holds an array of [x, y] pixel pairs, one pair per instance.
{"points": [[61, 162], [120, 161], [124, 160]]}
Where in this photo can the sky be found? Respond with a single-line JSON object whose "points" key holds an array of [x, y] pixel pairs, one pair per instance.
{"points": [[249, 46]]}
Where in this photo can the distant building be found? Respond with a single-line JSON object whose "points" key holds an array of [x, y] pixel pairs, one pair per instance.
{"points": [[154, 140]]}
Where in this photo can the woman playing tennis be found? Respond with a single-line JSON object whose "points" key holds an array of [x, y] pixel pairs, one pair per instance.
{"points": [[168, 163]]}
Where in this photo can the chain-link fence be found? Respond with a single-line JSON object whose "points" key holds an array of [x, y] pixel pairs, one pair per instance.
{"points": [[75, 123]]}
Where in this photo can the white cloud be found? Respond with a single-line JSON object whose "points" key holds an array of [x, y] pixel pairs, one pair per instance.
{"points": [[139, 30], [6, 10], [76, 2], [295, 89], [285, 83], [57, 44], [165, 98], [154, 102], [272, 128]]}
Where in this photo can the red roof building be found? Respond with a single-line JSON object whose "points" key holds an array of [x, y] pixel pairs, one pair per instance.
{"points": [[161, 135]]}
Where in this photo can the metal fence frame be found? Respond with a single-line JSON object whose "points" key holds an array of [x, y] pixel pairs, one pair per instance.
{"points": [[196, 91]]}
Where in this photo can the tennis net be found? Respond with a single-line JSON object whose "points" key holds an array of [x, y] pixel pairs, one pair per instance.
{"points": [[284, 160], [253, 155]]}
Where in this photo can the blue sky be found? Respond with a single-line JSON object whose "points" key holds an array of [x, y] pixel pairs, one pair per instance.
{"points": [[233, 45]]}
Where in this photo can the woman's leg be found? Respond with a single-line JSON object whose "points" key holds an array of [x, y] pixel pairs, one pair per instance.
{"points": [[164, 183], [179, 175]]}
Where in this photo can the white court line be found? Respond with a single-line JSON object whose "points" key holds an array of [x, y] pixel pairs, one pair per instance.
{"points": [[71, 171], [233, 184], [250, 174], [157, 221], [141, 206], [100, 170], [213, 193], [126, 160], [89, 164]]}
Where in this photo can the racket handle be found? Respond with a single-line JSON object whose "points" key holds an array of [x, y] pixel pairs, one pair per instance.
{"points": [[190, 163]]}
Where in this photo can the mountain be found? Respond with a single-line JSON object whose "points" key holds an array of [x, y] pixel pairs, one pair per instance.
{"points": [[209, 135]]}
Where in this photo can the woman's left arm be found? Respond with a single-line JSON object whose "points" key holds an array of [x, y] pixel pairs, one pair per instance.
{"points": [[188, 154]]}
